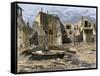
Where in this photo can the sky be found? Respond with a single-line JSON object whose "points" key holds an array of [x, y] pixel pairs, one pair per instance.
{"points": [[67, 14]]}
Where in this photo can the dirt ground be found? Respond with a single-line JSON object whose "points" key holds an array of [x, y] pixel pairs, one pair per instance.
{"points": [[85, 57]]}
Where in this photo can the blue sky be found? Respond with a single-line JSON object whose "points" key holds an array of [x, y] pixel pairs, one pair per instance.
{"points": [[67, 14]]}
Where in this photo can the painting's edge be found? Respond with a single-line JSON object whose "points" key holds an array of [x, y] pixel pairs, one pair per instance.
{"points": [[13, 39]]}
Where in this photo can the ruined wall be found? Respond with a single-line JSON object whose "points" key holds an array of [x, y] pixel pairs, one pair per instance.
{"points": [[86, 27], [22, 33], [48, 30]]}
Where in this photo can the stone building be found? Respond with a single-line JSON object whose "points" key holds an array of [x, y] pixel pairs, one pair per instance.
{"points": [[73, 32], [83, 31], [22, 30], [69, 30], [49, 29], [87, 28]]}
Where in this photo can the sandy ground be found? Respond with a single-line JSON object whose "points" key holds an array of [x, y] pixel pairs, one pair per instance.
{"points": [[85, 57]]}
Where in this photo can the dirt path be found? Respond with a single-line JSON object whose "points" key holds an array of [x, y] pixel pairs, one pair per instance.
{"points": [[85, 57]]}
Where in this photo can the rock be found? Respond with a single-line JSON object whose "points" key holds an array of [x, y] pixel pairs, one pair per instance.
{"points": [[84, 64], [75, 62], [39, 52]]}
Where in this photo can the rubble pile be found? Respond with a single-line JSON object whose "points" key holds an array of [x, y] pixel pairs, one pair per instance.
{"points": [[79, 60]]}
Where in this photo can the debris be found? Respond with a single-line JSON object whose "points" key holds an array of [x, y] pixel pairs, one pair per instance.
{"points": [[46, 56]]}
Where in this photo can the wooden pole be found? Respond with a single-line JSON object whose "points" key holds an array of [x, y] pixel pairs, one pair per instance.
{"points": [[74, 35]]}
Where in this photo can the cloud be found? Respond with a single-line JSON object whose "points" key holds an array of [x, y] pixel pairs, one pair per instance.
{"points": [[66, 13]]}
